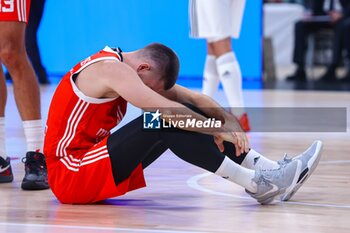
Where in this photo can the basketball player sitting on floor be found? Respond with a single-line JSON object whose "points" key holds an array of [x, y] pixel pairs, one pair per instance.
{"points": [[87, 164]]}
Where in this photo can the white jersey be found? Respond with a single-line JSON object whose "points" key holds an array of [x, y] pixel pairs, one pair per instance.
{"points": [[213, 19]]}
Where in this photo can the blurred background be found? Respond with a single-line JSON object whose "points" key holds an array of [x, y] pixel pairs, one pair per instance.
{"points": [[72, 30]]}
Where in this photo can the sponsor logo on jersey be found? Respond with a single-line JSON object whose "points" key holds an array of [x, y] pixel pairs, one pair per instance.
{"points": [[85, 61]]}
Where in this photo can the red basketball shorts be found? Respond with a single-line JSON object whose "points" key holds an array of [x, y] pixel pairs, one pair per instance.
{"points": [[14, 10], [89, 178]]}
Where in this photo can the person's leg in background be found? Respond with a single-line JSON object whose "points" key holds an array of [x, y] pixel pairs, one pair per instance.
{"points": [[36, 12], [346, 78], [230, 75], [217, 22], [211, 78], [301, 32], [338, 42], [26, 90], [5, 166]]}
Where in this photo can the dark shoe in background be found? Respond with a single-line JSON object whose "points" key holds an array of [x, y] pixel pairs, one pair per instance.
{"points": [[6, 175], [346, 78], [329, 76], [298, 76], [35, 177]]}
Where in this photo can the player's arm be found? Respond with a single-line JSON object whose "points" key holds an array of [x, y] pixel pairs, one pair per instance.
{"points": [[204, 103], [210, 108], [126, 83]]}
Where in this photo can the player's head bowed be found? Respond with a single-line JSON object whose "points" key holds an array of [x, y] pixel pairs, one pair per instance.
{"points": [[159, 67]]}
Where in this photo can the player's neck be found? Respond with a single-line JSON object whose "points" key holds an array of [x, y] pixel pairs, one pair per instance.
{"points": [[130, 58]]}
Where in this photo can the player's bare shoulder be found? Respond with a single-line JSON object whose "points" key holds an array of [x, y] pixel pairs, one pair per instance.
{"points": [[98, 79]]}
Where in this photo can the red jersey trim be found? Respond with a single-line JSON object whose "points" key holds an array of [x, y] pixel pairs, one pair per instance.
{"points": [[71, 127], [109, 50], [20, 10], [74, 164], [80, 94]]}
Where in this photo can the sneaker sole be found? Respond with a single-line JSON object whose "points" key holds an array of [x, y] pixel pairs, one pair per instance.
{"points": [[6, 179], [34, 185], [268, 201], [312, 164]]}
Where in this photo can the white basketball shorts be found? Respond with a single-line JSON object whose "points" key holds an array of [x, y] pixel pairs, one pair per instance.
{"points": [[211, 19]]}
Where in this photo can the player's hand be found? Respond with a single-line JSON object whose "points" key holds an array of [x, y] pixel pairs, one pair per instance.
{"points": [[239, 139], [232, 132]]}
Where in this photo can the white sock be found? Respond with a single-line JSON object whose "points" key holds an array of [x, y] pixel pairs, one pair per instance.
{"points": [[33, 130], [237, 174], [2, 138], [211, 77], [231, 79], [255, 159]]}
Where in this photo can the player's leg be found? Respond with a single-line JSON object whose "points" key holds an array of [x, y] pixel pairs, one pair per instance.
{"points": [[14, 57], [203, 23], [131, 145], [218, 22], [250, 160], [5, 166], [210, 75], [27, 96], [230, 76], [229, 73]]}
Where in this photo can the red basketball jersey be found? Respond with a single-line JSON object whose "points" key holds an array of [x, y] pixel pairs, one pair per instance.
{"points": [[77, 122], [14, 10], [75, 146]]}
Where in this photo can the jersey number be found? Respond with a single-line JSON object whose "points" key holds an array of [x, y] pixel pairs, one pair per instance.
{"points": [[8, 6]]}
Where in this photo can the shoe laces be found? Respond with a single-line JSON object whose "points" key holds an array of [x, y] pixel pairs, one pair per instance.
{"points": [[34, 164], [284, 161], [268, 175]]}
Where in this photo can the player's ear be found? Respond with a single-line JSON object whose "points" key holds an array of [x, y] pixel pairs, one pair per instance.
{"points": [[143, 67]]}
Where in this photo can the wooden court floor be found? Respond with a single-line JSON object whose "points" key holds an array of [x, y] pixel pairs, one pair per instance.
{"points": [[182, 198]]}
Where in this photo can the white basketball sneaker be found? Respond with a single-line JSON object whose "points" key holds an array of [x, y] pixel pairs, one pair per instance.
{"points": [[309, 161], [274, 182]]}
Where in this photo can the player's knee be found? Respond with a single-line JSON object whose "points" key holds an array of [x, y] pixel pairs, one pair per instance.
{"points": [[9, 54], [220, 45]]}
